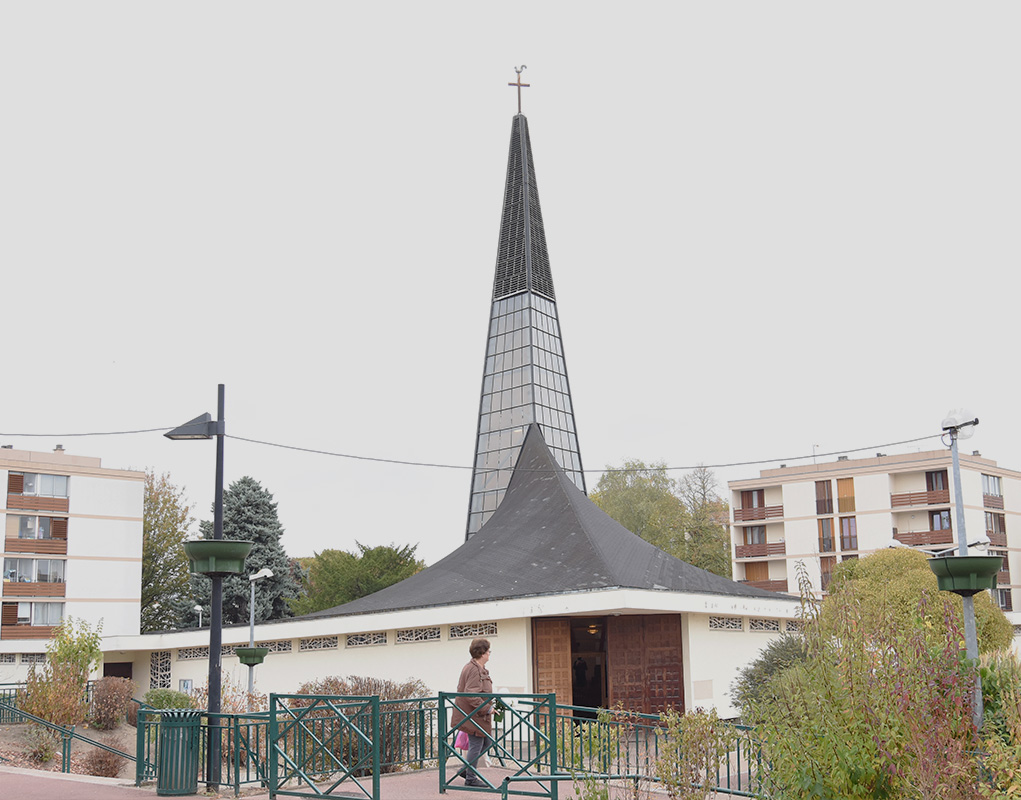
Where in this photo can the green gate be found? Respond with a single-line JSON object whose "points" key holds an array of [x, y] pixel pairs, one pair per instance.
{"points": [[322, 745], [524, 744]]}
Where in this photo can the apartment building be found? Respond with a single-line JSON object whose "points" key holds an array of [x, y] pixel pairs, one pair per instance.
{"points": [[822, 514], [72, 546]]}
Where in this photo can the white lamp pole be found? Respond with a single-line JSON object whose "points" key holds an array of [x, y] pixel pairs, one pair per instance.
{"points": [[265, 572], [199, 609]]}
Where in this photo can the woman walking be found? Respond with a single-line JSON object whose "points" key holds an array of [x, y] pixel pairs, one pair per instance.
{"points": [[475, 678]]}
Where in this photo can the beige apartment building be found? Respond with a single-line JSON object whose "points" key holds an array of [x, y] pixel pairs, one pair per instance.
{"points": [[72, 547], [822, 514]]}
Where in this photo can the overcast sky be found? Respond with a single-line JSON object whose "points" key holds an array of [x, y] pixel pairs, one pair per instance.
{"points": [[774, 228]]}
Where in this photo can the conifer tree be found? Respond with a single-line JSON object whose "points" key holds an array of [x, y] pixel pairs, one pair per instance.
{"points": [[249, 513]]}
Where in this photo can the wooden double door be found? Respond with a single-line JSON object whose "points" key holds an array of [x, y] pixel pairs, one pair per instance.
{"points": [[633, 660]]}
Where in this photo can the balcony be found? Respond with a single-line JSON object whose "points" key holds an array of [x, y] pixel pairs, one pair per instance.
{"points": [[760, 550], [992, 501], [1003, 577], [36, 589], [26, 631], [31, 502], [760, 512], [921, 538], [769, 586], [47, 547], [997, 539], [937, 498]]}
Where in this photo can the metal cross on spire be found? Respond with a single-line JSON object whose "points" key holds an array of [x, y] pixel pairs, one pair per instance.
{"points": [[519, 84]]}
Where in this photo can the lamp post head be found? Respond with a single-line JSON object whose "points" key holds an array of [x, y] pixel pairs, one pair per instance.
{"points": [[202, 427], [196, 608], [265, 572]]}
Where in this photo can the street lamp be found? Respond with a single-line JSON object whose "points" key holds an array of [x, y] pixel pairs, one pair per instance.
{"points": [[265, 572], [204, 427], [199, 609]]}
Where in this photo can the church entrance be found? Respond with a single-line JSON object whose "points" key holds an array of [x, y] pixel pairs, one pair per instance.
{"points": [[597, 662]]}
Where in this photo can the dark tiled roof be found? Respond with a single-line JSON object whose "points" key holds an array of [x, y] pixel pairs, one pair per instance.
{"points": [[546, 538]]}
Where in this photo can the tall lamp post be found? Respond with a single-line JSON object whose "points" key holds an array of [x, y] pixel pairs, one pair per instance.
{"points": [[204, 427], [963, 574], [199, 610], [253, 655]]}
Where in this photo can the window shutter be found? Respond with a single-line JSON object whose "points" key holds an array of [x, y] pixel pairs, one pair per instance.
{"points": [[10, 614], [15, 483], [58, 528], [845, 495]]}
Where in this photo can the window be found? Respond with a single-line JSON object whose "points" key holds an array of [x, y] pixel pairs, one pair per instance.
{"points": [[30, 570], [826, 566], [1003, 599], [823, 497], [991, 486], [940, 521], [43, 485], [845, 495], [755, 534], [34, 528], [996, 523], [848, 533], [40, 613], [826, 544], [755, 498], [936, 481]]}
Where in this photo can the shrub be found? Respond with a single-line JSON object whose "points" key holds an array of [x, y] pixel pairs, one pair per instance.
{"points": [[131, 714], [234, 698], [775, 657], [42, 743], [56, 692], [694, 747], [168, 698], [103, 762], [110, 700]]}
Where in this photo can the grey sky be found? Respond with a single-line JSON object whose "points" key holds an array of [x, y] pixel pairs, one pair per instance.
{"points": [[771, 226]]}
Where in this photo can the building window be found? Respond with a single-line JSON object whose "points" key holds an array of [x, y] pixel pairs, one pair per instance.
{"points": [[754, 498], [726, 623], [366, 639], [823, 497], [756, 571], [826, 566], [845, 495], [192, 653], [159, 669], [6, 658], [795, 626], [826, 543], [37, 484], [472, 631], [418, 635], [33, 658], [1003, 599], [996, 523], [940, 521], [318, 643], [936, 481], [40, 614], [755, 534], [31, 570], [279, 646], [848, 533], [764, 625], [991, 485]]}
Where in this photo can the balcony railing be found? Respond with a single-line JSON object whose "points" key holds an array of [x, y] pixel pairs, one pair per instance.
{"points": [[1003, 577], [27, 631], [769, 586], [997, 539], [761, 512], [47, 547], [760, 550], [916, 538], [35, 589], [937, 498], [992, 501], [31, 502]]}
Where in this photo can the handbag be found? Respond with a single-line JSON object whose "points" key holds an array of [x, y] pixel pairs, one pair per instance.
{"points": [[461, 742]]}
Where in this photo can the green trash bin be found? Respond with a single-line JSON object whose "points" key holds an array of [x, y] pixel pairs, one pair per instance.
{"points": [[177, 756]]}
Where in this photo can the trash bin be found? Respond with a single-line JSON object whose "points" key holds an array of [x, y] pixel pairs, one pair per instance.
{"points": [[177, 755]]}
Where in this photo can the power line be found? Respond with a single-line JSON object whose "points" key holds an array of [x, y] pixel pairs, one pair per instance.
{"points": [[434, 465]]}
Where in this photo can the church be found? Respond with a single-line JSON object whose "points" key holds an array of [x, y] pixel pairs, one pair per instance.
{"points": [[571, 601]]}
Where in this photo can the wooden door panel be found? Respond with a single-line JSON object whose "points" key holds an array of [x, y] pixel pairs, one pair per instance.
{"points": [[551, 640], [645, 665]]}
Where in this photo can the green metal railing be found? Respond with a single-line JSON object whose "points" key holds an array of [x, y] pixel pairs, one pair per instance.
{"points": [[11, 693], [66, 733], [242, 742]]}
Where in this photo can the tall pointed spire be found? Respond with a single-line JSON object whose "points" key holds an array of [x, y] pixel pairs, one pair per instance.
{"points": [[525, 377]]}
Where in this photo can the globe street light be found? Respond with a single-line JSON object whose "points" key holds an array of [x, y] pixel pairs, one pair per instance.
{"points": [[265, 572], [198, 609]]}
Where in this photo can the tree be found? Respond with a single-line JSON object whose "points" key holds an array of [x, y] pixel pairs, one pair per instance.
{"points": [[890, 584], [643, 499], [249, 513], [686, 519], [708, 541], [336, 576], [165, 572]]}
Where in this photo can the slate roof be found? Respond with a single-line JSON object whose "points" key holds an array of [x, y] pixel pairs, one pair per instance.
{"points": [[546, 538]]}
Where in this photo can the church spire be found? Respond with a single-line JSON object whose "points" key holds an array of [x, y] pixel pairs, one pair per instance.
{"points": [[525, 377]]}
